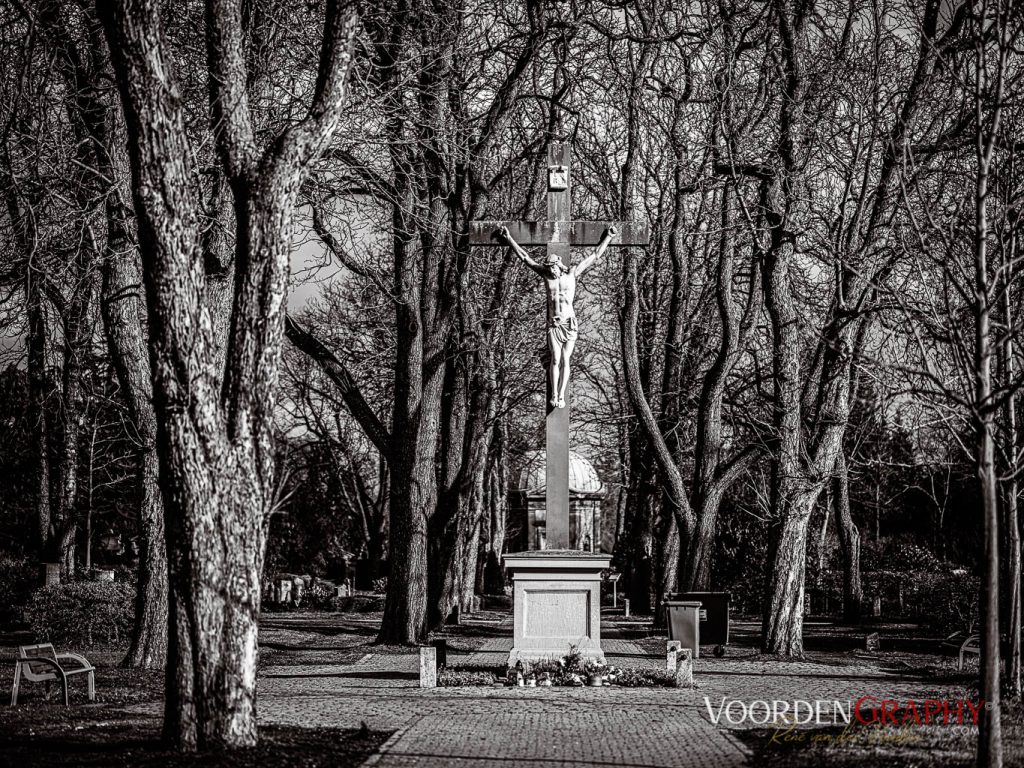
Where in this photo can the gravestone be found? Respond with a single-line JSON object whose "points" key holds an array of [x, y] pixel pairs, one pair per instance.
{"points": [[557, 591]]}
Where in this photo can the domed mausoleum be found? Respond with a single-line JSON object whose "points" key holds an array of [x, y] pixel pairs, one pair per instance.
{"points": [[527, 505]]}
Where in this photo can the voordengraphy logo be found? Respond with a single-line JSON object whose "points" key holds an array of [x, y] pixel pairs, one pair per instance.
{"points": [[866, 710]]}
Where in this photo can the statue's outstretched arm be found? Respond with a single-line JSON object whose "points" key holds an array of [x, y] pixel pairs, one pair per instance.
{"points": [[519, 251], [597, 252]]}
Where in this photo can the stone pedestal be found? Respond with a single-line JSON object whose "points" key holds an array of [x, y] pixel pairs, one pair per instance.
{"points": [[557, 604]]}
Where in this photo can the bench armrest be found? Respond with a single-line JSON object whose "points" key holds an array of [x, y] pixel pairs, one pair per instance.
{"points": [[80, 659]]}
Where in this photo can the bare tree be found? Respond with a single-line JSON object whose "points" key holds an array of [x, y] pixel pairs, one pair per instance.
{"points": [[215, 443]]}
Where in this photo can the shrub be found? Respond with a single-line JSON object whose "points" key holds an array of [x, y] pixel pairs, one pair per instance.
{"points": [[320, 594], [950, 603], [357, 604], [456, 678], [83, 613], [17, 577], [645, 678]]}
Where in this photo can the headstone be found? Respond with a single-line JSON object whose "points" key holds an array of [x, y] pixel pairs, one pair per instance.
{"points": [[873, 642], [104, 574], [441, 648], [684, 668], [284, 591], [625, 607], [428, 667], [876, 606], [49, 574]]}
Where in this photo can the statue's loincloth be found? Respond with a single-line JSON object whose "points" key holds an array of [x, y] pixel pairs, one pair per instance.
{"points": [[563, 330]]}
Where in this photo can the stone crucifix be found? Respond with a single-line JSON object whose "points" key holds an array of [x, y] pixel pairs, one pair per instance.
{"points": [[558, 233]]}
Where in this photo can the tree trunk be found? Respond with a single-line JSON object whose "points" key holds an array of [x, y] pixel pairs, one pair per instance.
{"points": [[990, 747], [35, 343], [1011, 492], [638, 554], [496, 489], [990, 744], [675, 497], [215, 439], [76, 337], [849, 542], [782, 630], [124, 315], [791, 499]]}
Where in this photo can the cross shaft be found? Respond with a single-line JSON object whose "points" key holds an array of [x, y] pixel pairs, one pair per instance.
{"points": [[557, 233]]}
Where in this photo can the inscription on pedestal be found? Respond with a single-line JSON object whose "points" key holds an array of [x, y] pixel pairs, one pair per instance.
{"points": [[557, 613]]}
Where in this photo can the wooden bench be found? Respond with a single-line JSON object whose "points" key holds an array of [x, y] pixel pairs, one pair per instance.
{"points": [[41, 664]]}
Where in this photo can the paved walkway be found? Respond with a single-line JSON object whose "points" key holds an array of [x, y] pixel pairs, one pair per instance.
{"points": [[498, 726]]}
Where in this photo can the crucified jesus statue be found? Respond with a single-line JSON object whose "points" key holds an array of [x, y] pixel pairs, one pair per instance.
{"points": [[563, 328]]}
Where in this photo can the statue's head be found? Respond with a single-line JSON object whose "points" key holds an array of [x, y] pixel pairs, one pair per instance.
{"points": [[554, 264]]}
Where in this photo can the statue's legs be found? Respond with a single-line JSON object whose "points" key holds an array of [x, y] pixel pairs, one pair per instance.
{"points": [[563, 377], [555, 353]]}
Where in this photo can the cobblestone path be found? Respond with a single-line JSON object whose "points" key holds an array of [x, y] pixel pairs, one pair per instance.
{"points": [[500, 726]]}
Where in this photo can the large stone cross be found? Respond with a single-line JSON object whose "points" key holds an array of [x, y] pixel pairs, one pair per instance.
{"points": [[558, 233]]}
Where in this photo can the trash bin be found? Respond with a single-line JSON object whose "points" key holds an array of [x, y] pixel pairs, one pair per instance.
{"points": [[683, 623], [714, 617]]}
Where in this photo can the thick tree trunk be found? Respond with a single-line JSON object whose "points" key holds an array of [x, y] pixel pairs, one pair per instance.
{"points": [[471, 545], [782, 630], [418, 385], [849, 542], [447, 524], [635, 550], [791, 498], [215, 439], [148, 647], [669, 542]]}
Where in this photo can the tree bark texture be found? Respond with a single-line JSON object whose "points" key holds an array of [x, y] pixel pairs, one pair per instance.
{"points": [[849, 542], [215, 440]]}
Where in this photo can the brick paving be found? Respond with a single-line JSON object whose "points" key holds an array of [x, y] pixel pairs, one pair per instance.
{"points": [[559, 727], [498, 726]]}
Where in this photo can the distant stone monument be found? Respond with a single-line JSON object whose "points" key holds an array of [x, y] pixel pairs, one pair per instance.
{"points": [[557, 590]]}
